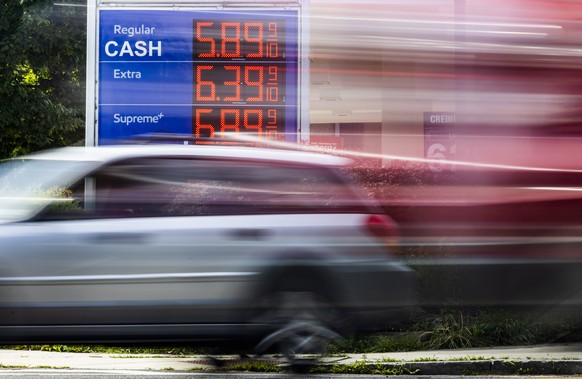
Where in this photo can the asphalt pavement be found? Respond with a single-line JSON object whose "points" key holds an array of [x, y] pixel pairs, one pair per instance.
{"points": [[552, 359]]}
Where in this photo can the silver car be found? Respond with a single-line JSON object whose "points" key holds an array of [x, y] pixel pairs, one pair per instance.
{"points": [[159, 243]]}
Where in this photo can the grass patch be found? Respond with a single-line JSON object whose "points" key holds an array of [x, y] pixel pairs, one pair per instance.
{"points": [[12, 366], [362, 368], [447, 329], [379, 343], [469, 358], [105, 349], [53, 367], [254, 366], [452, 331], [455, 329]]}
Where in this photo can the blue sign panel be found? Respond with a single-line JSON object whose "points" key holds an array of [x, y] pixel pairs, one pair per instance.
{"points": [[199, 73]]}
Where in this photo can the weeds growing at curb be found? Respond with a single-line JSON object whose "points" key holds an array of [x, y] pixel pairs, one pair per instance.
{"points": [[254, 366], [361, 368], [454, 329], [12, 366], [105, 349], [448, 329], [451, 332]]}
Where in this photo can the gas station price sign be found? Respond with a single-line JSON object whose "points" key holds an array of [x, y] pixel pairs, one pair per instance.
{"points": [[202, 73]]}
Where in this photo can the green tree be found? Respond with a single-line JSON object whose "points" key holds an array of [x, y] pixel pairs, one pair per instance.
{"points": [[42, 75]]}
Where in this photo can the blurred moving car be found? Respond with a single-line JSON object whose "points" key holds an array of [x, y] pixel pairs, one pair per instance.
{"points": [[169, 243], [503, 230]]}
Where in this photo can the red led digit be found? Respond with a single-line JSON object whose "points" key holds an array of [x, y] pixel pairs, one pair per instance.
{"points": [[273, 50], [258, 39], [256, 123], [209, 85], [229, 120], [272, 74], [212, 48], [271, 134], [254, 83], [272, 29], [200, 126], [272, 117], [234, 83], [230, 40], [273, 94]]}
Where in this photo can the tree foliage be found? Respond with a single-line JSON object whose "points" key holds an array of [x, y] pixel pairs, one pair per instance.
{"points": [[42, 75]]}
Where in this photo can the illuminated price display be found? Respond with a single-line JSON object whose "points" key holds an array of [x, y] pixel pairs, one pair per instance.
{"points": [[197, 72], [240, 77], [253, 39], [239, 83], [261, 121]]}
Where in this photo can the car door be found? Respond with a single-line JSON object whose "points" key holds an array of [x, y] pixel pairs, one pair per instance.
{"points": [[141, 249]]}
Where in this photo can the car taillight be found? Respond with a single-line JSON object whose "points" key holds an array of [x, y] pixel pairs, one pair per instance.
{"points": [[384, 228]]}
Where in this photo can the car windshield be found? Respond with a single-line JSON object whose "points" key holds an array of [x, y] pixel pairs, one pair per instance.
{"points": [[27, 185]]}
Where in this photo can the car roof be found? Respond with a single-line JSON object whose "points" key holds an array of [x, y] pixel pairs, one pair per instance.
{"points": [[113, 153]]}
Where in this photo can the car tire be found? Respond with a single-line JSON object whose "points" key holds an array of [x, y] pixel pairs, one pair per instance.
{"points": [[300, 324]]}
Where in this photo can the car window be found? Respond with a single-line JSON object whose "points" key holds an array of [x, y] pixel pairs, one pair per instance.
{"points": [[153, 187], [28, 185]]}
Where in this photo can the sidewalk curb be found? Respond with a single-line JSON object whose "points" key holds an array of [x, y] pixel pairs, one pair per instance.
{"points": [[492, 367], [551, 359]]}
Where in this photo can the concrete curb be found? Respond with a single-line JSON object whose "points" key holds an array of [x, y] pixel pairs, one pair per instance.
{"points": [[552, 359], [495, 367]]}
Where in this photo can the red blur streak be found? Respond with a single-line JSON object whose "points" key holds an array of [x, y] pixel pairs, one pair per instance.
{"points": [[556, 10], [384, 228], [415, 74]]}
